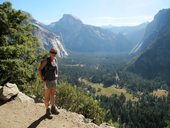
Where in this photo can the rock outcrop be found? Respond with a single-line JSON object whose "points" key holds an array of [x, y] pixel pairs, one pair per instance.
{"points": [[7, 91], [22, 112]]}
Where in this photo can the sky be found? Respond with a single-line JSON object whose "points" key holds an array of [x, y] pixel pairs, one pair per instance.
{"points": [[93, 12]]}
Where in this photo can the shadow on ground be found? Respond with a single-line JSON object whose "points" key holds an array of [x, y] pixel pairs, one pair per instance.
{"points": [[2, 102], [37, 122]]}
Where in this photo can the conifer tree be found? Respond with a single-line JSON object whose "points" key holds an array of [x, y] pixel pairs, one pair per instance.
{"points": [[17, 46]]}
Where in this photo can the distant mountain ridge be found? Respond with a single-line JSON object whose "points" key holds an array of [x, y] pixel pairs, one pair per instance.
{"points": [[125, 29], [133, 33], [80, 37], [154, 61]]}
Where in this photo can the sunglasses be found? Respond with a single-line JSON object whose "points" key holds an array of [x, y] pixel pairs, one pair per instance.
{"points": [[53, 52]]}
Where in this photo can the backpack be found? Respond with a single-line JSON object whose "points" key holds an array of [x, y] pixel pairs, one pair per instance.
{"points": [[43, 71]]}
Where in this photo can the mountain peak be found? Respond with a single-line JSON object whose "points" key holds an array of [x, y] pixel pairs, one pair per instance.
{"points": [[68, 23], [70, 20], [69, 16], [162, 17], [163, 12]]}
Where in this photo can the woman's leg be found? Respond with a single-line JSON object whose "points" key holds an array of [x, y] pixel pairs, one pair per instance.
{"points": [[52, 96], [47, 97], [52, 101], [46, 102]]}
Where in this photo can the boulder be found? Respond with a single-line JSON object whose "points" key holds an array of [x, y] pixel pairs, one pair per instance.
{"points": [[24, 98], [7, 91]]}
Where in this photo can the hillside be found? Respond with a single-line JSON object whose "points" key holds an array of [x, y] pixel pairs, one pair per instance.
{"points": [[156, 29], [16, 114], [154, 62]]}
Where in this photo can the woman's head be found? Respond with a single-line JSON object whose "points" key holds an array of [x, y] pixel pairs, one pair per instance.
{"points": [[53, 52]]}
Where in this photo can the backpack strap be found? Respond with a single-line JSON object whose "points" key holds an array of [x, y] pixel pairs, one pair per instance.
{"points": [[48, 60]]}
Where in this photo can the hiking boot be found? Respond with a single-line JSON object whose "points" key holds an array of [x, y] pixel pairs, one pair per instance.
{"points": [[48, 113], [54, 110]]}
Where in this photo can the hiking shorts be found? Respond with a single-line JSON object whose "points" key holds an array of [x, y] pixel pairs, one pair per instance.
{"points": [[51, 84]]}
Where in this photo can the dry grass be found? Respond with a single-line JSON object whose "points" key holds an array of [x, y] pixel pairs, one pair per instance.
{"points": [[160, 92], [100, 90]]}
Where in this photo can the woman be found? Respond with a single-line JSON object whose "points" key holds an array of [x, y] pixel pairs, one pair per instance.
{"points": [[50, 79]]}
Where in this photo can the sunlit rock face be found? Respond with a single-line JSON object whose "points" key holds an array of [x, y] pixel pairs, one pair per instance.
{"points": [[47, 38]]}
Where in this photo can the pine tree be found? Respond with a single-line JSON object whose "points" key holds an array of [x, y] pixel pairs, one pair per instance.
{"points": [[17, 46]]}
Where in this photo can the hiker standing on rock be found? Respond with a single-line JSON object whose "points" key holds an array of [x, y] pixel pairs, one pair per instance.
{"points": [[48, 72]]}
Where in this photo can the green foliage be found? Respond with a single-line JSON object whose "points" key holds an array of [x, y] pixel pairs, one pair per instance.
{"points": [[137, 83], [96, 68], [116, 125], [147, 112], [36, 89], [76, 100], [17, 46], [70, 98], [150, 111]]}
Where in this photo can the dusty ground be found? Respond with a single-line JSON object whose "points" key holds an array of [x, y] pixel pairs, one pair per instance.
{"points": [[15, 114]]}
